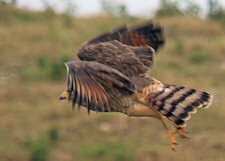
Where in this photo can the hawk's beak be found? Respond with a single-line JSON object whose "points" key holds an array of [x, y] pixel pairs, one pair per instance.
{"points": [[64, 95], [62, 98]]}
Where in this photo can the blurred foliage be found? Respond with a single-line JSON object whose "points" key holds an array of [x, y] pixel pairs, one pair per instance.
{"points": [[112, 8], [177, 7], [53, 134], [192, 9], [45, 68], [39, 149], [179, 47], [213, 6], [168, 8], [105, 150], [216, 12], [198, 57], [68, 20], [10, 14], [123, 10], [69, 13], [108, 6], [70, 7], [189, 8], [8, 2]]}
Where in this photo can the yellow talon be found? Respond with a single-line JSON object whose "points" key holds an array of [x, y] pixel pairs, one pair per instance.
{"points": [[181, 131], [172, 141]]}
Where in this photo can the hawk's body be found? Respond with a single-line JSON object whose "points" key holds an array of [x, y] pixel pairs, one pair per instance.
{"points": [[112, 77]]}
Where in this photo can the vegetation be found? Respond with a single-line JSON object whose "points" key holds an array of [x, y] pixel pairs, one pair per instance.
{"points": [[189, 8], [112, 8], [6, 2], [34, 125], [39, 149], [168, 9], [181, 8], [216, 12]]}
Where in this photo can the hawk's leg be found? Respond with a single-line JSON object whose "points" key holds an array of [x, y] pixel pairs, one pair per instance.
{"points": [[181, 131], [170, 134]]}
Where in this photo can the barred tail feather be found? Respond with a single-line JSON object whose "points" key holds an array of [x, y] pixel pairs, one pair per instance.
{"points": [[178, 103]]}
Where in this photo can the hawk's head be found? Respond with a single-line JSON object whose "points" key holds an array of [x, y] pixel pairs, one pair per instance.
{"points": [[64, 95]]}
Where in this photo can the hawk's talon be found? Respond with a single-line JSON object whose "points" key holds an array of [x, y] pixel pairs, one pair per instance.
{"points": [[172, 140], [182, 132]]}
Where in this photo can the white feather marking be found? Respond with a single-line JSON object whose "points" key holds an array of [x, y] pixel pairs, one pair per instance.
{"points": [[193, 111], [187, 118], [209, 102], [167, 90]]}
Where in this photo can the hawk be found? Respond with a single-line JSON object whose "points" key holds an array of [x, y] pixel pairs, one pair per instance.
{"points": [[112, 77]]}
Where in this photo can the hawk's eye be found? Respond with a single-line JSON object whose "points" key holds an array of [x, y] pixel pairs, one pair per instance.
{"points": [[70, 92]]}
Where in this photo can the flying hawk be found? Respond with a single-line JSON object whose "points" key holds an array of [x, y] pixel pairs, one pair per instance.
{"points": [[112, 77]]}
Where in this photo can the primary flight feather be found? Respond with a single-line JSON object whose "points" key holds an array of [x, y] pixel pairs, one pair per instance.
{"points": [[112, 77]]}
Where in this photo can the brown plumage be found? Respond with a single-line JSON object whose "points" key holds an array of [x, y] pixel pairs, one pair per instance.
{"points": [[112, 77]]}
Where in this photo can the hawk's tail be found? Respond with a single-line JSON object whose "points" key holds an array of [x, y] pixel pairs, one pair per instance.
{"points": [[178, 103]]}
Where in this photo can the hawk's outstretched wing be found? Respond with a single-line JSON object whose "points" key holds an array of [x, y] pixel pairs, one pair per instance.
{"points": [[119, 56], [92, 84], [129, 51]]}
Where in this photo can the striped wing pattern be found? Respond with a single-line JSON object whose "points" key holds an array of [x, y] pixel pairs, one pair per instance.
{"points": [[86, 82], [131, 61], [131, 51]]}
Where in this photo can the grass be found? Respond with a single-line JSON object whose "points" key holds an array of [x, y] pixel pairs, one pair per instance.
{"points": [[105, 150], [34, 125], [53, 134], [199, 57], [44, 68], [39, 150]]}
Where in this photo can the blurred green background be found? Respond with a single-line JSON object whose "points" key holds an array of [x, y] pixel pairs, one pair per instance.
{"points": [[35, 126]]}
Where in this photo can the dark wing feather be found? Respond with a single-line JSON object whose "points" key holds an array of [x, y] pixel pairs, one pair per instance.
{"points": [[129, 51], [109, 36], [145, 35], [86, 82], [129, 60]]}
